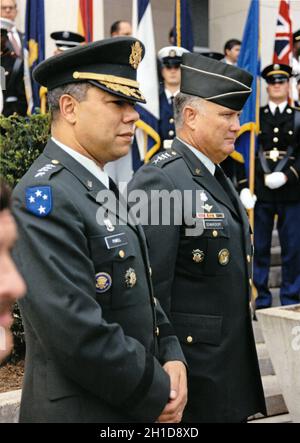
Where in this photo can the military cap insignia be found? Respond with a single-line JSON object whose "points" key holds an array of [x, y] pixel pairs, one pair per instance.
{"points": [[224, 256], [198, 255], [66, 34], [39, 200], [136, 55], [130, 278], [276, 67], [103, 282], [172, 53]]}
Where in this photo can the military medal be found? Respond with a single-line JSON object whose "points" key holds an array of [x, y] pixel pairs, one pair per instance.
{"points": [[103, 282], [130, 278], [198, 255]]}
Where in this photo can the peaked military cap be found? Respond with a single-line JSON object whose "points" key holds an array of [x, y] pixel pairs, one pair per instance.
{"points": [[212, 54], [171, 55], [109, 64], [65, 40], [276, 73], [215, 81], [296, 36]]}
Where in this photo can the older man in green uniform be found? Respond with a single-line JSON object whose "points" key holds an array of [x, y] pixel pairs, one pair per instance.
{"points": [[202, 274], [99, 347]]}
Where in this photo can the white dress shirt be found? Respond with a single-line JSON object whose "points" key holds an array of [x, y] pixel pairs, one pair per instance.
{"points": [[86, 162], [281, 106]]}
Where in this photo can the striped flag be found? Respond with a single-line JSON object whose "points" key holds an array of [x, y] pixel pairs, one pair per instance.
{"points": [[183, 25], [283, 48], [85, 19], [34, 51], [147, 140]]}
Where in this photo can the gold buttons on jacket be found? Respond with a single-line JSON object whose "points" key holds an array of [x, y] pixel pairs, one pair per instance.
{"points": [[198, 255], [215, 233], [55, 162], [276, 130], [157, 332], [189, 339], [121, 254], [291, 132], [248, 258], [250, 281], [150, 271], [171, 120], [275, 140], [224, 256], [289, 111]]}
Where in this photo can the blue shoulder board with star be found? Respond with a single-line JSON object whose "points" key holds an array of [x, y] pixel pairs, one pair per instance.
{"points": [[39, 200]]}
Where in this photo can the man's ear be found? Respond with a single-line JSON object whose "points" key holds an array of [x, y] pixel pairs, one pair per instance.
{"points": [[189, 116], [68, 106]]}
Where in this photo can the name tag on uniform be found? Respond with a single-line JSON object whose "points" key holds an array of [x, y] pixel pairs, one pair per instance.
{"points": [[116, 240], [217, 224]]}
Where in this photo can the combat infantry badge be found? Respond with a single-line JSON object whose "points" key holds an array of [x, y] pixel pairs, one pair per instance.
{"points": [[136, 55]]}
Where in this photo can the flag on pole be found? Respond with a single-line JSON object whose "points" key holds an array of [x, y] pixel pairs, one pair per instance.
{"points": [[249, 59], [283, 48], [85, 19], [34, 51], [147, 140], [183, 29]]}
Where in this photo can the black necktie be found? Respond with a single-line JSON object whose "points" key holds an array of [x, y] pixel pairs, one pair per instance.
{"points": [[113, 187], [222, 179], [277, 112]]}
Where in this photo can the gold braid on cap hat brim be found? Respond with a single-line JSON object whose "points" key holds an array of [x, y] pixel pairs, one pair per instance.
{"points": [[118, 84], [278, 72]]}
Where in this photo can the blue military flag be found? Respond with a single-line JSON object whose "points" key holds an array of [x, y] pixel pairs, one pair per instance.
{"points": [[249, 59], [183, 30], [34, 49], [147, 140]]}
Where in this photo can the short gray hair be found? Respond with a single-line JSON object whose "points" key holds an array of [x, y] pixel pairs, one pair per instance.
{"points": [[76, 90], [181, 101]]}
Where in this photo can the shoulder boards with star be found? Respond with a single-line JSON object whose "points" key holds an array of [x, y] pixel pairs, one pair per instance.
{"points": [[164, 158], [48, 169]]}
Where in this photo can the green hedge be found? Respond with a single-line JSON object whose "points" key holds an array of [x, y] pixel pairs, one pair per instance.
{"points": [[22, 141]]}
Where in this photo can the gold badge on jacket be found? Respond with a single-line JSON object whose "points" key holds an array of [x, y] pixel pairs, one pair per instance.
{"points": [[130, 278], [198, 255], [224, 257], [103, 282]]}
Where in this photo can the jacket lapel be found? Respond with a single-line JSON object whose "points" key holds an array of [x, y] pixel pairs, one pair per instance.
{"points": [[90, 182], [203, 177]]}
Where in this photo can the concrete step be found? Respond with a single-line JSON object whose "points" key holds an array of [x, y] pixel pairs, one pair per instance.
{"points": [[265, 364], [276, 256], [9, 406], [275, 277], [283, 418], [274, 399]]}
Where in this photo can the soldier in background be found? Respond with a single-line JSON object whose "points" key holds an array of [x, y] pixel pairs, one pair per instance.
{"points": [[231, 51], [277, 188], [65, 40], [119, 28], [170, 58], [13, 90]]}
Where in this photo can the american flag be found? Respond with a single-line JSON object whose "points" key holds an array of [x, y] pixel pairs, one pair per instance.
{"points": [[284, 36]]}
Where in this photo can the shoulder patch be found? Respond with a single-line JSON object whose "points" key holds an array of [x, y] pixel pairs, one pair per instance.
{"points": [[48, 169], [164, 158], [39, 200]]}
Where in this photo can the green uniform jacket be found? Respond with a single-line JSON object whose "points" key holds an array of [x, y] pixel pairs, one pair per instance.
{"points": [[203, 284], [93, 348]]}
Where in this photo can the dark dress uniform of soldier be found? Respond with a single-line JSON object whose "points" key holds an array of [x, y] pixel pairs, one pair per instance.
{"points": [[14, 98], [169, 57], [203, 280], [279, 151], [94, 349]]}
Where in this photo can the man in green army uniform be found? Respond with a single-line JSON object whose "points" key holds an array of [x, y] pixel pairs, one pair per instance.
{"points": [[202, 274], [98, 346]]}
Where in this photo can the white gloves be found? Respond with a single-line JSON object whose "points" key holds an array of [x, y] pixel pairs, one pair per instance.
{"points": [[247, 198], [275, 180]]}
